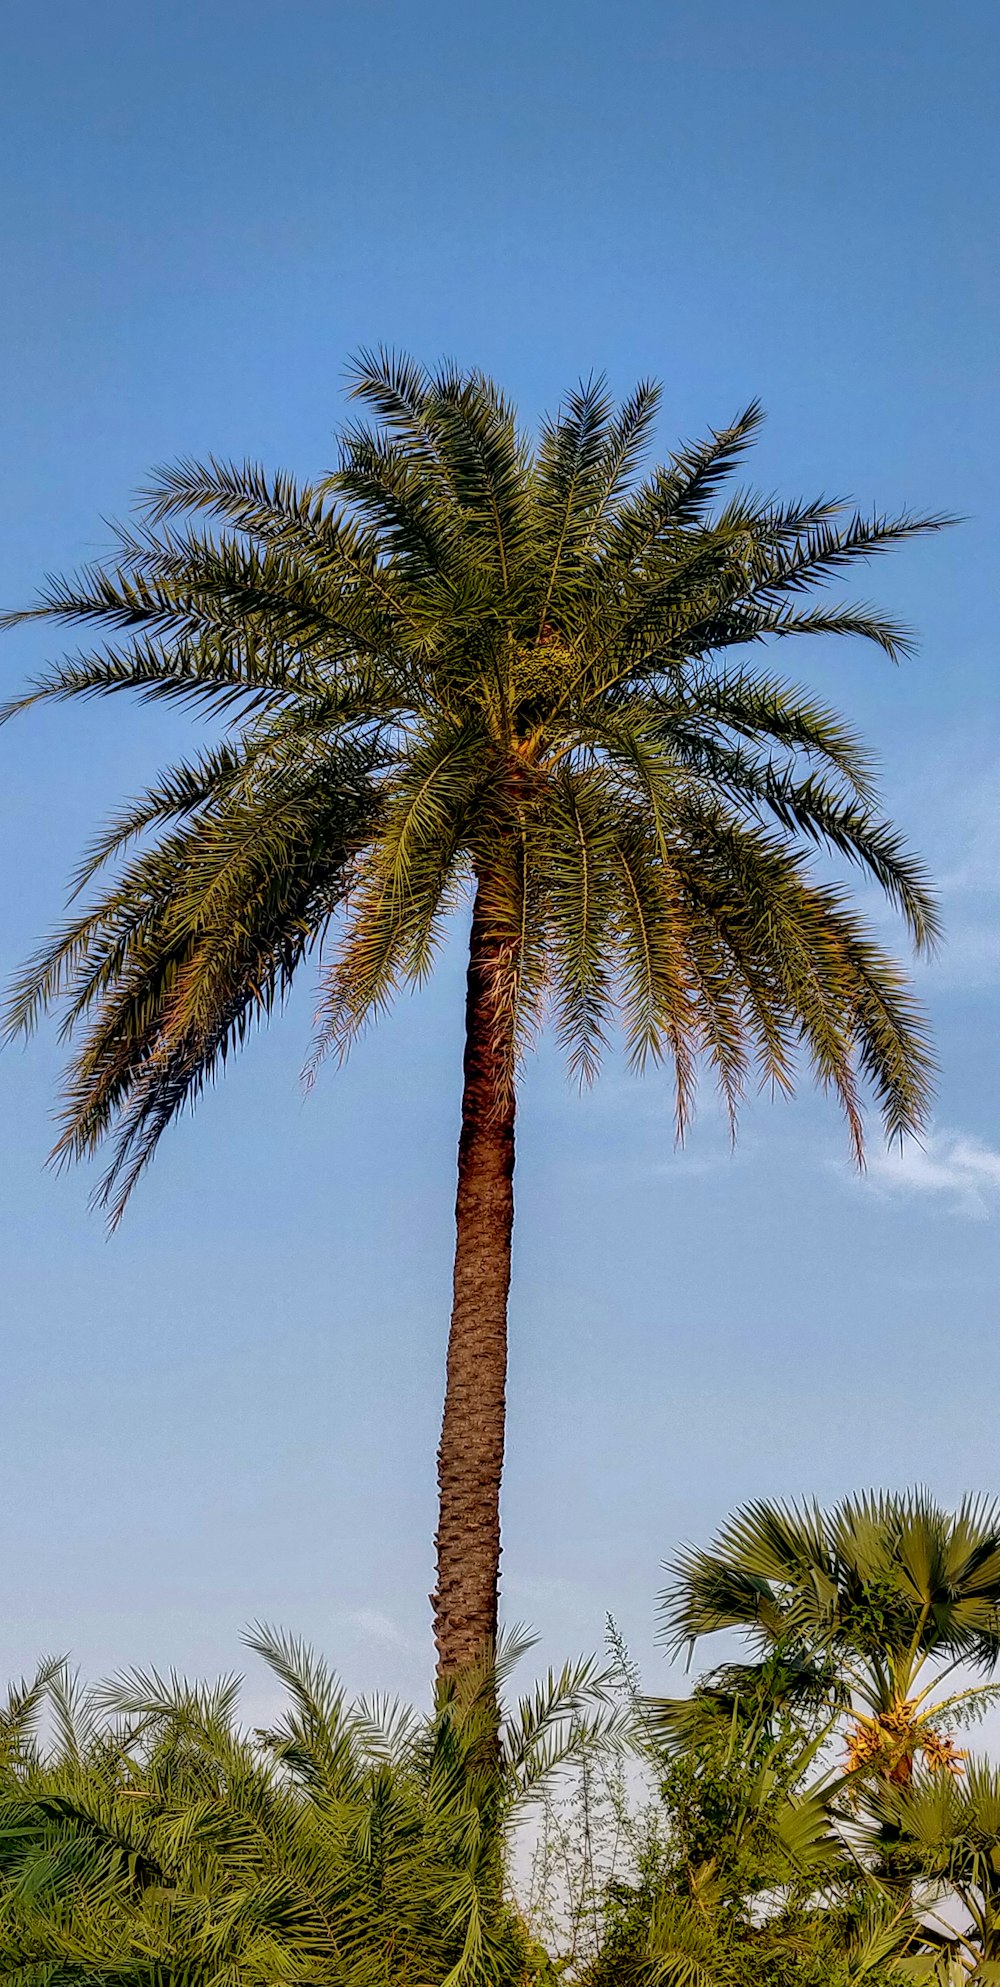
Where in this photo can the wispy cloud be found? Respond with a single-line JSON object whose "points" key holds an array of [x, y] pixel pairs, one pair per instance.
{"points": [[951, 799], [554, 1591], [962, 1172], [378, 1627], [972, 834]]}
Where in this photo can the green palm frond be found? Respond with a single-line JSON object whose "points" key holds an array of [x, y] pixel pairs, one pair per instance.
{"points": [[580, 887], [676, 498]]}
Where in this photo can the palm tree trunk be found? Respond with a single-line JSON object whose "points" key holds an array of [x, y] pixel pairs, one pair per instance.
{"points": [[470, 1456]]}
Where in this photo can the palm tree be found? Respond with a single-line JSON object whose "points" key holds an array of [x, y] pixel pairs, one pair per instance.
{"points": [[147, 1838], [872, 1606], [462, 666]]}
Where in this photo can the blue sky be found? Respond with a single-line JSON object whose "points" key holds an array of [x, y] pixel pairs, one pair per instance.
{"points": [[231, 1409]]}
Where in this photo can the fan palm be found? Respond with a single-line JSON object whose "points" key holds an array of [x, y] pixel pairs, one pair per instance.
{"points": [[745, 1876], [466, 667], [872, 1605]]}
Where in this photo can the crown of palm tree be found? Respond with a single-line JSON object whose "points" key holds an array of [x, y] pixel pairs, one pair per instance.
{"points": [[865, 1599], [462, 656]]}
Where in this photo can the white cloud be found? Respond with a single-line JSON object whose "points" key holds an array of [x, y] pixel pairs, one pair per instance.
{"points": [[969, 959], [949, 806], [378, 1627], [962, 1171], [554, 1591], [972, 833]]}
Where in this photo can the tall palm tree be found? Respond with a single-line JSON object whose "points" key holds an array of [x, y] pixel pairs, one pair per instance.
{"points": [[466, 666], [871, 1607]]}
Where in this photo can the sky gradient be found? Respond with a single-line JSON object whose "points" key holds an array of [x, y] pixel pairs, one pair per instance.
{"points": [[230, 1409]]}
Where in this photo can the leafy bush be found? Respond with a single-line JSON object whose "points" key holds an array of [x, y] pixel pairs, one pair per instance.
{"points": [[148, 1840]]}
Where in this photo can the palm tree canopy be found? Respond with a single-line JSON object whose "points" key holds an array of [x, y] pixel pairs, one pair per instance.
{"points": [[880, 1585], [463, 656]]}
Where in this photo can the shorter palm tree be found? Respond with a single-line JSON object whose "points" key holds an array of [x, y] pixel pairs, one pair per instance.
{"points": [[691, 1945], [872, 1605], [153, 1843], [742, 1874]]}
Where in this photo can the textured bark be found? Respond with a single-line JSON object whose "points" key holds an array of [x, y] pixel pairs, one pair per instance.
{"points": [[470, 1456]]}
